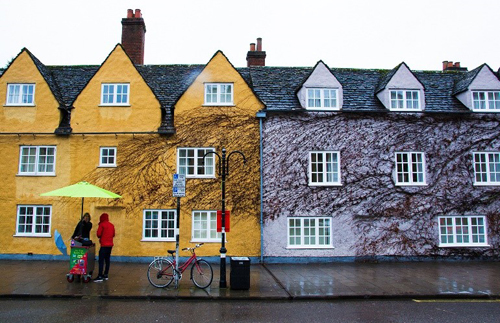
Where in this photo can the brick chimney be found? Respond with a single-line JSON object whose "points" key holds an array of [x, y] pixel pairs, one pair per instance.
{"points": [[450, 66], [256, 57], [133, 35]]}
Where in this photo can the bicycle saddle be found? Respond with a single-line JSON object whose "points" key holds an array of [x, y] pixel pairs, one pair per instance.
{"points": [[171, 251]]}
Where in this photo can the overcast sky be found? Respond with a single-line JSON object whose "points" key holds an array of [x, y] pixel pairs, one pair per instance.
{"points": [[346, 33]]}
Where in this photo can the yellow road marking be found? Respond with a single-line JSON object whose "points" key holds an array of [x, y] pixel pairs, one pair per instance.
{"points": [[456, 300]]}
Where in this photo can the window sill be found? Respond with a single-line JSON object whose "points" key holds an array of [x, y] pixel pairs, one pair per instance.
{"points": [[48, 235], [19, 105], [309, 247], [406, 110], [200, 177], [325, 184], [114, 105], [323, 109], [206, 241], [486, 184], [468, 245], [219, 105], [35, 175], [107, 166], [411, 184], [158, 240]]}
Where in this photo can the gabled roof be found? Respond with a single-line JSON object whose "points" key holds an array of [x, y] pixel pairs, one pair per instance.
{"points": [[384, 81], [465, 80]]}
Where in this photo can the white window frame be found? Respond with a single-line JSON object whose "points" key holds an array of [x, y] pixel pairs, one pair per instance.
{"points": [[321, 97], [486, 168], [331, 168], [33, 221], [406, 101], [18, 94], [36, 160], [218, 98], [199, 152], [409, 164], [452, 229], [204, 230], [153, 224], [485, 101], [105, 157], [299, 233], [111, 99]]}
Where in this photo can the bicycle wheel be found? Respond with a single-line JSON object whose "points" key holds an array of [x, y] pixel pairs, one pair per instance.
{"points": [[161, 272], [202, 273]]}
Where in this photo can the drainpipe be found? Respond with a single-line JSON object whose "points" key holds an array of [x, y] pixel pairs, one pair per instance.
{"points": [[261, 115]]}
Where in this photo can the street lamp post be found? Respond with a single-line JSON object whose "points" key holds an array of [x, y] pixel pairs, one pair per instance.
{"points": [[223, 172]]}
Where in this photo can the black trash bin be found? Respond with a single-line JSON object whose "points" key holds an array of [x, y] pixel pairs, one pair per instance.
{"points": [[240, 273]]}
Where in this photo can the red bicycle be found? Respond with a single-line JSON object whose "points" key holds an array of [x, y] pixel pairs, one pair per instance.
{"points": [[161, 271]]}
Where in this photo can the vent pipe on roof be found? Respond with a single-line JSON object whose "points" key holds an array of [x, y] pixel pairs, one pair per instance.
{"points": [[256, 57], [134, 35]]}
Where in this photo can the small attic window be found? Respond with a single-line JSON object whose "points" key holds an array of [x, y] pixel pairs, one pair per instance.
{"points": [[115, 94], [404, 100], [218, 94], [21, 94], [486, 101], [322, 99]]}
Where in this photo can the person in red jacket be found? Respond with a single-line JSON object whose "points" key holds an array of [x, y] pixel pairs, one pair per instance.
{"points": [[105, 233]]}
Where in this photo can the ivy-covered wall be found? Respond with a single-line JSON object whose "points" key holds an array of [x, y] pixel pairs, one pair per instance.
{"points": [[371, 216]]}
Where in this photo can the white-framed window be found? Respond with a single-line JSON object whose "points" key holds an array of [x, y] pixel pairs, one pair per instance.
{"points": [[115, 93], [463, 231], [403, 100], [159, 225], [33, 220], [320, 99], [410, 168], [219, 94], [37, 160], [486, 168], [21, 94], [204, 228], [309, 232], [107, 157], [486, 100], [190, 162], [324, 168]]}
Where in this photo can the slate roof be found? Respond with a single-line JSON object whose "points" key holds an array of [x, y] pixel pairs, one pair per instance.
{"points": [[276, 87]]}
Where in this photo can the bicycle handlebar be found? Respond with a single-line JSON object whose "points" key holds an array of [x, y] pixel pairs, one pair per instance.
{"points": [[196, 246]]}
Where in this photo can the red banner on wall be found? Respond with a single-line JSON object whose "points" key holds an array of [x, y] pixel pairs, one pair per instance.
{"points": [[219, 221]]}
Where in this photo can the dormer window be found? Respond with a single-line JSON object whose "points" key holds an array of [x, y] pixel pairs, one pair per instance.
{"points": [[486, 100], [218, 94], [115, 94], [322, 99], [21, 94], [402, 100]]}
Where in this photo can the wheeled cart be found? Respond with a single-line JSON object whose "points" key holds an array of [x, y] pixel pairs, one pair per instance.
{"points": [[81, 262]]}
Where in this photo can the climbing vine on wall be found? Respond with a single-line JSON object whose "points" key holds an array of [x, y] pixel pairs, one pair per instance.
{"points": [[146, 164], [386, 219]]}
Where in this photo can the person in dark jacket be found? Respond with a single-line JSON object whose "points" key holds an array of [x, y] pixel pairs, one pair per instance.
{"points": [[105, 233], [82, 229]]}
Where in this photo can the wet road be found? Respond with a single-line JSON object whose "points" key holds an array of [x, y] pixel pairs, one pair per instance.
{"points": [[116, 310]]}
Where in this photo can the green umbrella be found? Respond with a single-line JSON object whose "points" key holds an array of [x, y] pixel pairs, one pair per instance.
{"points": [[83, 190]]}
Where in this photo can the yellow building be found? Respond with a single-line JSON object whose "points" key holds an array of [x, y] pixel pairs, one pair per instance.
{"points": [[127, 128]]}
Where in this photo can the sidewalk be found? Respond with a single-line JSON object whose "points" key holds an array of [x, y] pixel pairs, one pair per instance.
{"points": [[274, 281]]}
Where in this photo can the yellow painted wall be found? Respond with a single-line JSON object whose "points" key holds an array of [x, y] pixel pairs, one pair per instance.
{"points": [[44, 116], [143, 113], [146, 164]]}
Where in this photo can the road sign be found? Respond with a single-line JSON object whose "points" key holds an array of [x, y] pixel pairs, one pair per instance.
{"points": [[179, 187], [226, 221]]}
